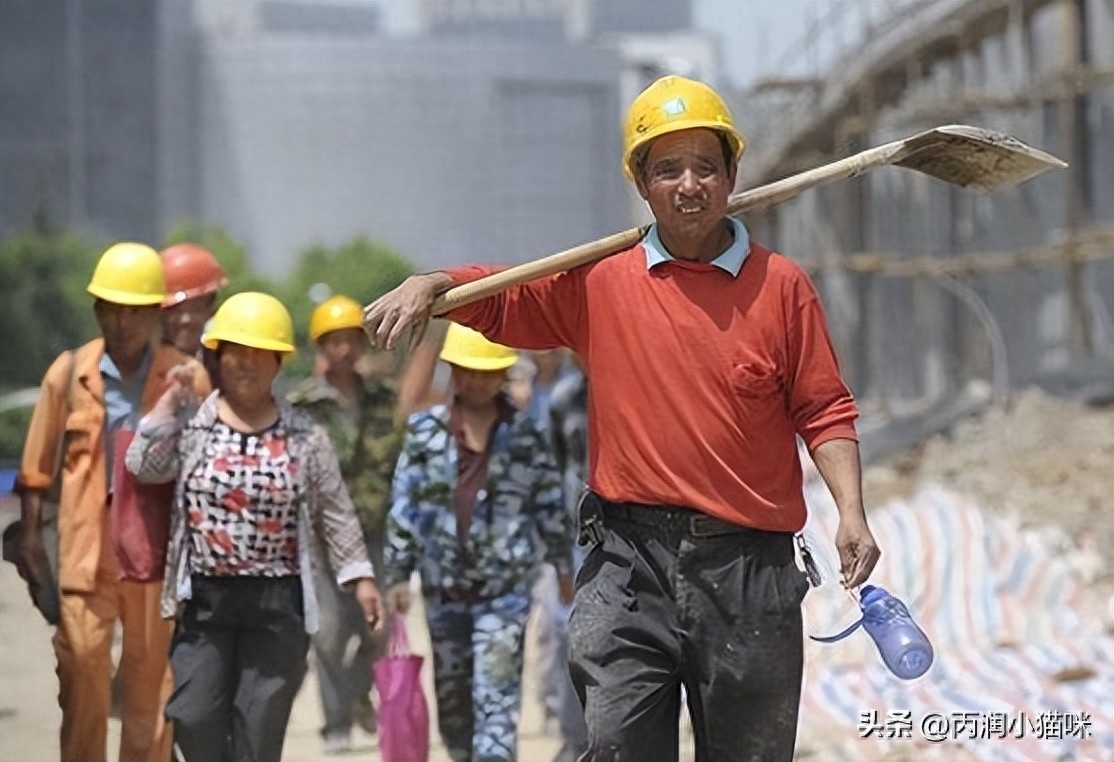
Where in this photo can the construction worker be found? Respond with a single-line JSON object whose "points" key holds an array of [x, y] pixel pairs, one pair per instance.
{"points": [[193, 278], [259, 503], [360, 416], [705, 355], [91, 401], [476, 508]]}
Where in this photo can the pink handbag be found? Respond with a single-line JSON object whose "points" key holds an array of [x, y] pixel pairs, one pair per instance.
{"points": [[403, 713]]}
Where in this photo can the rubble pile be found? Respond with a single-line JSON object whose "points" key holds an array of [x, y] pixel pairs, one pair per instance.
{"points": [[1045, 460]]}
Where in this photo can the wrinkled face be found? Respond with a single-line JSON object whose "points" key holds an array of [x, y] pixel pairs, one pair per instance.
{"points": [[687, 184], [126, 329], [476, 388], [341, 349], [183, 323], [246, 373]]}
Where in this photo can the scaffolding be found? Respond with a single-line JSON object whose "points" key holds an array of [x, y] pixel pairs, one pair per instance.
{"points": [[933, 291]]}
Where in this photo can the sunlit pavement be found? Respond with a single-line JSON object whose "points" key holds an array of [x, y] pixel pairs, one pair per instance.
{"points": [[29, 714]]}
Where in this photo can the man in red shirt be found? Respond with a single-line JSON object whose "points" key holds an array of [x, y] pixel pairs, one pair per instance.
{"points": [[707, 356]]}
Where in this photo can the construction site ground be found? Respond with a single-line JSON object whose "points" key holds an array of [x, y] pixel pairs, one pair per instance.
{"points": [[1049, 461]]}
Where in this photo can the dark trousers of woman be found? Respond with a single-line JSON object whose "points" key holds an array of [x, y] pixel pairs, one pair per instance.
{"points": [[670, 597], [238, 657]]}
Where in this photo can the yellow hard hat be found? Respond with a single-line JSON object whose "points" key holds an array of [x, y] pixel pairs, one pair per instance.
{"points": [[675, 103], [128, 273], [469, 349], [253, 320], [333, 314]]}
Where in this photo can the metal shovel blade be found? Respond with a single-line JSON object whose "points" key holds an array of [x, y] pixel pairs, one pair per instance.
{"points": [[973, 157]]}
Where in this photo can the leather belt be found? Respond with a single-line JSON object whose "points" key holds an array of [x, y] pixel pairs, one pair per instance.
{"points": [[696, 523]]}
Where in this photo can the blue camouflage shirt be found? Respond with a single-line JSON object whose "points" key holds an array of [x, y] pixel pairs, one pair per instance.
{"points": [[518, 522]]}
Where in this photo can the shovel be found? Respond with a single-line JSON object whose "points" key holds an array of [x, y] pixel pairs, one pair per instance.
{"points": [[970, 157]]}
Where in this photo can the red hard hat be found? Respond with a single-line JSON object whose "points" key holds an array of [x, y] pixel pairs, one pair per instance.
{"points": [[190, 271]]}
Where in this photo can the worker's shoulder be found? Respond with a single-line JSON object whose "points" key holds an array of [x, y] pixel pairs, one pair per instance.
{"points": [[625, 261], [89, 352], [311, 391], [775, 263], [426, 422], [75, 362], [299, 422]]}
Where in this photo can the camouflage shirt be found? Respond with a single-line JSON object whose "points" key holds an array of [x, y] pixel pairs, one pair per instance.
{"points": [[519, 520], [366, 441]]}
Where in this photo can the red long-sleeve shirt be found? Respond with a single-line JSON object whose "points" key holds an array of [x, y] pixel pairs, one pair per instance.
{"points": [[698, 379]]}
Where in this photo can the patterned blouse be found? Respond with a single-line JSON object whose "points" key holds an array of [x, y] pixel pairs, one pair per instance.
{"points": [[328, 531], [240, 499]]}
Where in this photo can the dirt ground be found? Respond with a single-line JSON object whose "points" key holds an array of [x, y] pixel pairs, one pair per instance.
{"points": [[1047, 460], [29, 714]]}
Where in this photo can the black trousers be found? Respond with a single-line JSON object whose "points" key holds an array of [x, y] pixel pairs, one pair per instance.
{"points": [[669, 597], [238, 657]]}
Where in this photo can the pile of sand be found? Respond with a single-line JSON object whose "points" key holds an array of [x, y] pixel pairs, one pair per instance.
{"points": [[1046, 460]]}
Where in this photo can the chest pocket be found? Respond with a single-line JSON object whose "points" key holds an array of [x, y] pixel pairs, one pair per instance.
{"points": [[755, 377]]}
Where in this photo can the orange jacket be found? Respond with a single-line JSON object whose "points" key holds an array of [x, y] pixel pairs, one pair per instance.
{"points": [[84, 492]]}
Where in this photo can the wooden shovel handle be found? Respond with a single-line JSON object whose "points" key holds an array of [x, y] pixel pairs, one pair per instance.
{"points": [[958, 154], [539, 268], [766, 195]]}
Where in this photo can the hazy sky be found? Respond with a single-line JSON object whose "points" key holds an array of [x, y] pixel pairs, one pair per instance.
{"points": [[757, 37], [761, 38]]}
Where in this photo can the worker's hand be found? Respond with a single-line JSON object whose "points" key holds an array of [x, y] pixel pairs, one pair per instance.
{"points": [[178, 394], [566, 589], [32, 564], [398, 598], [858, 553], [367, 595], [407, 307]]}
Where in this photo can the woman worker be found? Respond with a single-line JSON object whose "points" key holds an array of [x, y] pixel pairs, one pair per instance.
{"points": [[259, 501]]}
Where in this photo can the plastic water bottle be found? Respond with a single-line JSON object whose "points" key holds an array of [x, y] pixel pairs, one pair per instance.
{"points": [[903, 645]]}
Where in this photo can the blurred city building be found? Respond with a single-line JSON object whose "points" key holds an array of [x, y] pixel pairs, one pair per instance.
{"points": [[83, 133], [492, 135], [570, 20]]}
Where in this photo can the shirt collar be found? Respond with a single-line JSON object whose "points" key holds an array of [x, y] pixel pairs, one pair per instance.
{"points": [[506, 412], [108, 368], [730, 261]]}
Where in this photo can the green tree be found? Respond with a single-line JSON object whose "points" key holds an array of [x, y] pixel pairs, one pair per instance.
{"points": [[43, 275], [13, 430], [231, 254], [362, 269]]}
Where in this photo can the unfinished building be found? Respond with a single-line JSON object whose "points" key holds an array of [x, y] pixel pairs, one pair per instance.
{"points": [[937, 295]]}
